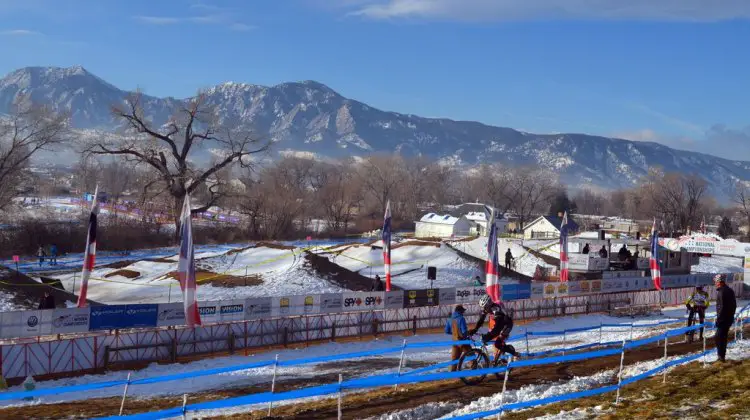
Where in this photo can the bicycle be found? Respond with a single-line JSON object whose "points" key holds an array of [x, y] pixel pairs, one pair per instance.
{"points": [[478, 358]]}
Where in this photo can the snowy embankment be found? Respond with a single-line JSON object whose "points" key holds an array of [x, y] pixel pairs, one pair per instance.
{"points": [[525, 263], [387, 363], [409, 262], [227, 274]]}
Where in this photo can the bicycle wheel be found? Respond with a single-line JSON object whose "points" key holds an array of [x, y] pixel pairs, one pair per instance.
{"points": [[472, 360]]}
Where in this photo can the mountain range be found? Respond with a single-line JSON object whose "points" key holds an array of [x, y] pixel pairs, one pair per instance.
{"points": [[311, 117]]}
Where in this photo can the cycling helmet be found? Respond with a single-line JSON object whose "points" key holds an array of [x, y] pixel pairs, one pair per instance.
{"points": [[485, 301]]}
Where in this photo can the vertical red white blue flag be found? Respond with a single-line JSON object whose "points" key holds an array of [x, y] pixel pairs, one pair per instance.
{"points": [[89, 256], [387, 245], [492, 281], [654, 260], [186, 267], [564, 273]]}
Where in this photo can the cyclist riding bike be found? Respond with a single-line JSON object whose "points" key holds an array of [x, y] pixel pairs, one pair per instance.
{"points": [[500, 326]]}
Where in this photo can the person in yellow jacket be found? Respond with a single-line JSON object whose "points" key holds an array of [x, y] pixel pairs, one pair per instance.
{"points": [[697, 304]]}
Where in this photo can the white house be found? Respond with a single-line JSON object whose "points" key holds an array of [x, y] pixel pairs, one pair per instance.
{"points": [[547, 227], [479, 223], [433, 225]]}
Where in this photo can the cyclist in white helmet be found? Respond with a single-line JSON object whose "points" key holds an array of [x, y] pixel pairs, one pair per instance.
{"points": [[500, 325]]}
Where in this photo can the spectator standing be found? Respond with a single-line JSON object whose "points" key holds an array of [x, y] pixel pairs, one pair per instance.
{"points": [[726, 305], [508, 259], [41, 254], [47, 302], [53, 254], [456, 326]]}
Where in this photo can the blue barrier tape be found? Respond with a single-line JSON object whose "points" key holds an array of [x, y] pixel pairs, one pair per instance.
{"points": [[431, 367], [297, 362]]}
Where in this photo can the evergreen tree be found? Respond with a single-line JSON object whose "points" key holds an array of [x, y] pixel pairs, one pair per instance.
{"points": [[725, 227]]}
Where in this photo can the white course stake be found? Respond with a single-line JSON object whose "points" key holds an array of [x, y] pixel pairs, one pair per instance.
{"points": [[666, 341], [600, 333], [273, 382], [505, 383], [400, 363], [527, 340], [619, 374], [341, 379], [124, 394], [704, 348], [184, 405], [565, 341]]}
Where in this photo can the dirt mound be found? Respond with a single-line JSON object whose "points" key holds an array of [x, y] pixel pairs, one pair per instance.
{"points": [[27, 292], [417, 243], [161, 260], [337, 274], [129, 274], [274, 245], [117, 264], [222, 280]]}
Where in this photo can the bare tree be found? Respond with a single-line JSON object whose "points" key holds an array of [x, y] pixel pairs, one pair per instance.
{"points": [[171, 149], [28, 130], [741, 197], [680, 200], [340, 195], [381, 178], [529, 192]]}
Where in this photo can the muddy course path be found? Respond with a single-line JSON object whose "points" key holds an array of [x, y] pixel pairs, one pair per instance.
{"points": [[360, 404]]}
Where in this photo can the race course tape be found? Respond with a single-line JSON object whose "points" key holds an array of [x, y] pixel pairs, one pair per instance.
{"points": [[293, 362], [394, 379]]}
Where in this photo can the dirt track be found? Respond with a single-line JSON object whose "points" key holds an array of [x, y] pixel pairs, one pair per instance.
{"points": [[358, 405]]}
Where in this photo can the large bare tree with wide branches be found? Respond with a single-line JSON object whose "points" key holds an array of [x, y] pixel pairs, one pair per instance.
{"points": [[28, 130], [172, 150]]}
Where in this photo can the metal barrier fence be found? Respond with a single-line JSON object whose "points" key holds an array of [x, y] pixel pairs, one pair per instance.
{"points": [[94, 353]]}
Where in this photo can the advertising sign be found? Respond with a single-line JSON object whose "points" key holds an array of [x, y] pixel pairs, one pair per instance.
{"points": [[256, 308], [107, 317], [282, 306], [524, 291], [331, 302], [34, 323], [549, 290], [395, 299], [447, 296], [170, 314], [233, 310], [138, 316], [363, 301], [509, 292], [469, 294], [70, 320], [578, 262], [562, 289], [209, 312], [537, 290], [423, 297]]}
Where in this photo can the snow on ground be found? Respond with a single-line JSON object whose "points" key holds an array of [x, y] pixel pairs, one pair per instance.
{"points": [[280, 271], [525, 263], [718, 264], [263, 375], [409, 264], [7, 304]]}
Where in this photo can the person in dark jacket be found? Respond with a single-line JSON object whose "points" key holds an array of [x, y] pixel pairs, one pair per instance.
{"points": [[726, 305], [603, 252], [508, 259], [456, 327], [501, 325], [586, 249], [377, 284], [47, 302]]}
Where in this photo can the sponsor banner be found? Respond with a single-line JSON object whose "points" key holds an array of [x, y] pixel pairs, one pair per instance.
{"points": [[256, 308], [599, 264], [395, 299], [70, 320], [574, 288], [596, 286], [423, 297], [509, 292], [209, 312], [170, 314], [447, 296], [578, 262], [28, 323], [107, 317], [550, 289], [331, 302], [363, 301], [562, 289], [537, 290], [233, 310], [282, 306], [469, 294], [138, 316], [524, 291], [307, 304]]}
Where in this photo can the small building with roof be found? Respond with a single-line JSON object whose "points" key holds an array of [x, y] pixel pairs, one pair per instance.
{"points": [[548, 227], [433, 225], [475, 213]]}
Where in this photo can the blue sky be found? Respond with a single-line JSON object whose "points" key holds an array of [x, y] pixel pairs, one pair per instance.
{"points": [[673, 71]]}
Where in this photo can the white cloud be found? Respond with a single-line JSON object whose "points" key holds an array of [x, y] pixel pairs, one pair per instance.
{"points": [[20, 32], [158, 20], [241, 27], [506, 10]]}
